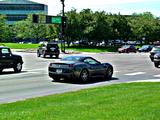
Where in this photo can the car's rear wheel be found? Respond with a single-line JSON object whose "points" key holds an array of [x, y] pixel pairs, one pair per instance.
{"points": [[38, 54], [109, 73], [156, 64], [43, 54], [57, 56], [18, 67], [1, 70], [84, 75]]}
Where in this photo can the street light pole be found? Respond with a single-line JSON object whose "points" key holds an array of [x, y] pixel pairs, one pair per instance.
{"points": [[62, 29]]}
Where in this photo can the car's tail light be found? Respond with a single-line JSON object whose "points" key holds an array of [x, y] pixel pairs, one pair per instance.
{"points": [[71, 65], [50, 65]]}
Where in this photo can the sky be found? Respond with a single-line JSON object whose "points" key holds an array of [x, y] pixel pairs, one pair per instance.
{"points": [[125, 7]]}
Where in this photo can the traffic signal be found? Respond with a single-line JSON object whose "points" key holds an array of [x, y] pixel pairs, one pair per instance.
{"points": [[48, 19], [64, 21], [35, 18]]}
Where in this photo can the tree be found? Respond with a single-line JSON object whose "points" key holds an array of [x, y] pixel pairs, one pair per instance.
{"points": [[5, 33], [72, 30], [121, 28], [28, 30], [101, 28]]}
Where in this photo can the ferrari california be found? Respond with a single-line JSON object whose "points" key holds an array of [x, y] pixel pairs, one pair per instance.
{"points": [[80, 68]]}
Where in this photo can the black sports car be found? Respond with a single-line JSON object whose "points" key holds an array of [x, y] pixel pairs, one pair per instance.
{"points": [[79, 67]]}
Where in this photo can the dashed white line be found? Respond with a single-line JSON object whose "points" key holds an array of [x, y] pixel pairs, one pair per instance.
{"points": [[156, 76], [135, 73]]}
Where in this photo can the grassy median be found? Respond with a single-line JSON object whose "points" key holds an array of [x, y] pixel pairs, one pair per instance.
{"points": [[71, 48], [20, 46], [131, 101]]}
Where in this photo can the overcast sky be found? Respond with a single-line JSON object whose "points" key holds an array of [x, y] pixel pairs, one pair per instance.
{"points": [[112, 6]]}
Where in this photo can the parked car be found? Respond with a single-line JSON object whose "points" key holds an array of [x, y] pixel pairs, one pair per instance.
{"points": [[145, 48], [9, 60], [127, 49], [79, 68], [155, 55], [48, 49]]}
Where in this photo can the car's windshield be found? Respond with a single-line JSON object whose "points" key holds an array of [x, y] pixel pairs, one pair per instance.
{"points": [[52, 45], [71, 58], [156, 49], [4, 51], [145, 46], [125, 46]]}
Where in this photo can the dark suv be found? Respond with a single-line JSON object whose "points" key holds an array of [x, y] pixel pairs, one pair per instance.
{"points": [[48, 49], [9, 60], [155, 55]]}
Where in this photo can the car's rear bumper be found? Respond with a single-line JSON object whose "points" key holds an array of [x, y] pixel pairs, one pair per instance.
{"points": [[156, 60], [52, 53], [70, 75]]}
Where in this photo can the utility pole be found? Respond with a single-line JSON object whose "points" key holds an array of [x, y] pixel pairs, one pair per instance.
{"points": [[62, 29]]}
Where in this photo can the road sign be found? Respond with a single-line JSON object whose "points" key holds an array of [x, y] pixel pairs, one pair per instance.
{"points": [[53, 19], [56, 20]]}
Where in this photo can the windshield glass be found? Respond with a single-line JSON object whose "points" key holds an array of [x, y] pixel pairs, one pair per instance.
{"points": [[71, 58], [52, 45], [125, 46], [145, 46], [156, 49]]}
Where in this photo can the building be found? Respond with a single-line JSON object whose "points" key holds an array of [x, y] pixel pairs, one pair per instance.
{"points": [[17, 10]]}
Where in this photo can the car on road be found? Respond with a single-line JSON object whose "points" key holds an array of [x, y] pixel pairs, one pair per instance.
{"points": [[50, 49], [155, 55], [127, 49], [9, 60], [145, 48], [80, 68]]}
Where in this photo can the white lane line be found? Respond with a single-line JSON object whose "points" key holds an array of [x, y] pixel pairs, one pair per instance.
{"points": [[116, 71], [156, 76], [135, 73]]}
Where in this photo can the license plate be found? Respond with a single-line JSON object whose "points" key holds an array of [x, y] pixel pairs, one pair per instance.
{"points": [[59, 71]]}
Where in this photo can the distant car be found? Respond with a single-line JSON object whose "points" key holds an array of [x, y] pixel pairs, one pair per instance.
{"points": [[9, 60], [127, 49], [48, 49], [145, 48], [154, 50], [155, 55], [79, 68]]}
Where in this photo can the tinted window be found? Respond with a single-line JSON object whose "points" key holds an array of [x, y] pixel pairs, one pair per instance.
{"points": [[5, 51], [90, 61], [156, 49], [125, 46], [52, 45], [71, 58], [145, 46]]}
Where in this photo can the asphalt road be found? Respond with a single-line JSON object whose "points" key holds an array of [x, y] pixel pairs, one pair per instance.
{"points": [[33, 81]]}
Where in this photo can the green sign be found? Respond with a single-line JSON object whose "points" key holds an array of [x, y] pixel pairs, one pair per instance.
{"points": [[56, 20]]}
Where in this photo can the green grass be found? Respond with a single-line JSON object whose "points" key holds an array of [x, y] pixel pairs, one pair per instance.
{"points": [[20, 46], [131, 101], [93, 49], [72, 48]]}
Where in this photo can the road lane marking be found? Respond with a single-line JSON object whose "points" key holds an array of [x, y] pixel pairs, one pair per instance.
{"points": [[156, 75], [135, 73]]}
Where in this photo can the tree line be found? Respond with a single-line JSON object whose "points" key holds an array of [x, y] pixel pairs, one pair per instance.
{"points": [[88, 26]]}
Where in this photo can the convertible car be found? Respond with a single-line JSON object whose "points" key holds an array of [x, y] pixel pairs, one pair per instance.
{"points": [[79, 68]]}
